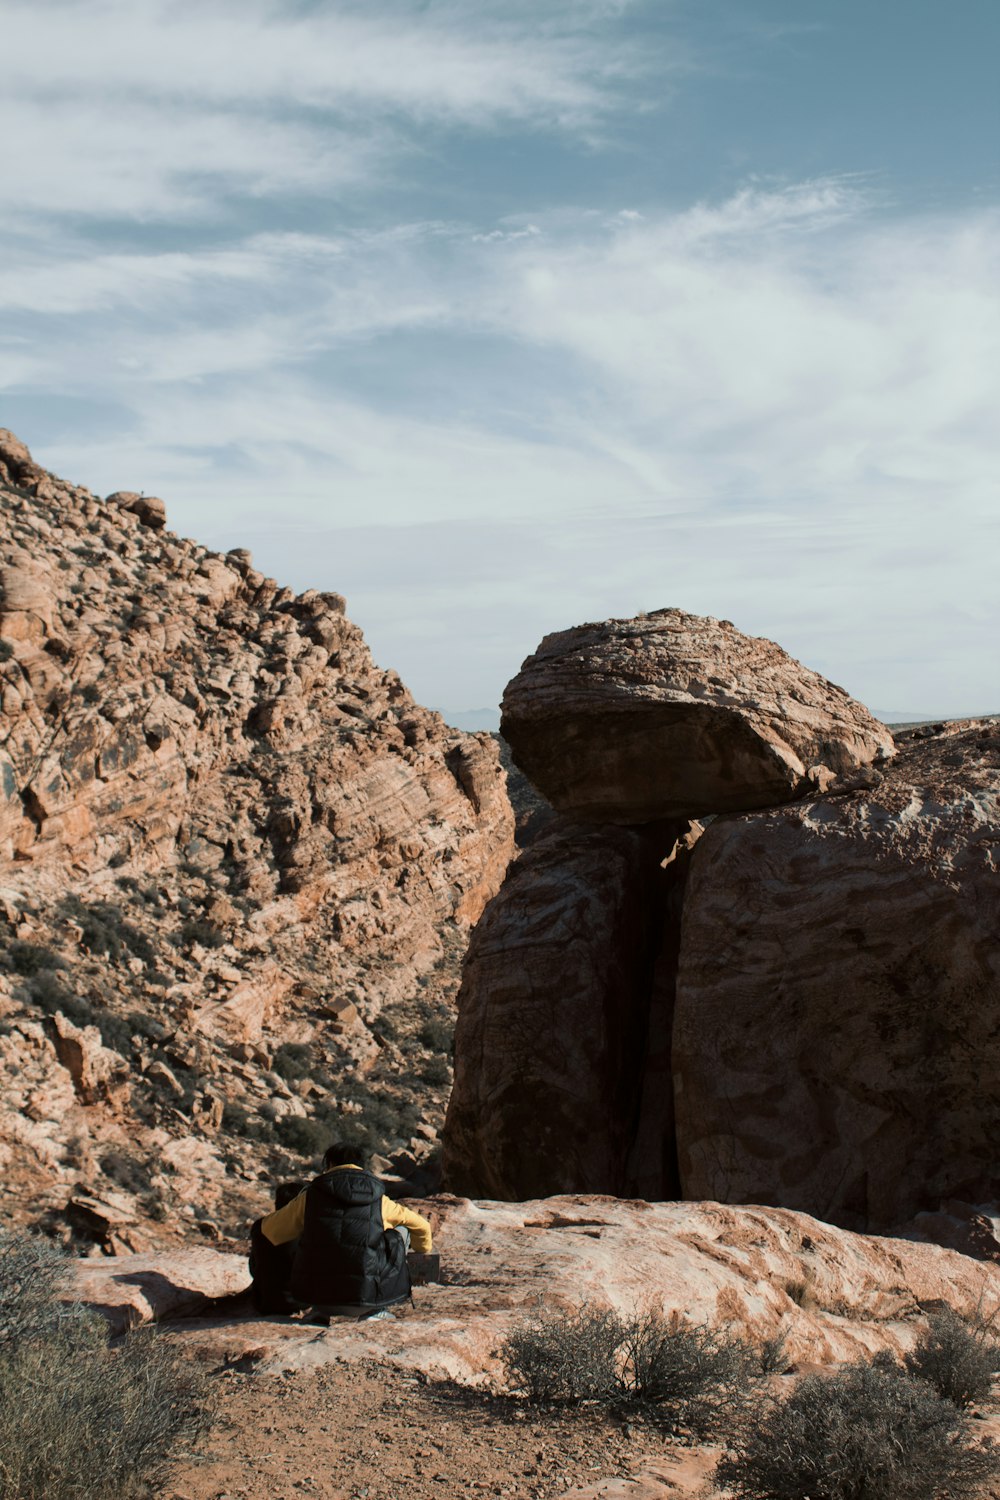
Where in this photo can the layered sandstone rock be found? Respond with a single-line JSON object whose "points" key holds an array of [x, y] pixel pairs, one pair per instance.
{"points": [[837, 1038], [672, 715], [562, 1072], [761, 1271], [223, 829]]}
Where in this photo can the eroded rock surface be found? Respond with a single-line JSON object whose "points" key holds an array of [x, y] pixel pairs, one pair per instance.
{"points": [[835, 1295], [837, 1036], [225, 833], [554, 1019], [673, 715]]}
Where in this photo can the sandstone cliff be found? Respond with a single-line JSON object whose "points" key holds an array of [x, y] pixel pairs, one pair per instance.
{"points": [[837, 1034], [236, 865]]}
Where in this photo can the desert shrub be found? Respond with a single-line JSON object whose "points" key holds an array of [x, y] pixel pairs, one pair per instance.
{"points": [[238, 1121], [692, 1375], [306, 1136], [864, 1433], [79, 1420], [434, 1071], [292, 1061], [48, 991], [201, 930], [437, 1035], [772, 1355], [33, 958], [957, 1357], [106, 933], [678, 1373], [564, 1356], [126, 1171]]}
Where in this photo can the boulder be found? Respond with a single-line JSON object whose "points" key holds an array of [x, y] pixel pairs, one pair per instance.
{"points": [[99, 1074], [150, 509], [672, 715], [132, 1289], [553, 1018], [836, 1042]]}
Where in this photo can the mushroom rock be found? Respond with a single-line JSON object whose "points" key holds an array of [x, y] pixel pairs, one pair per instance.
{"points": [[672, 715], [836, 1043], [556, 1021]]}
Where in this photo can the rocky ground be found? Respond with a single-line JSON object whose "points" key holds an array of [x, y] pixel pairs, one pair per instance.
{"points": [[347, 1432], [415, 1404], [238, 865]]}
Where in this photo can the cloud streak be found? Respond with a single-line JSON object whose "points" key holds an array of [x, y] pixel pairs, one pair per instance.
{"points": [[776, 404]]}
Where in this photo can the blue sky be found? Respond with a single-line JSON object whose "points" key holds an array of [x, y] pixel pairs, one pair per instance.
{"points": [[499, 316]]}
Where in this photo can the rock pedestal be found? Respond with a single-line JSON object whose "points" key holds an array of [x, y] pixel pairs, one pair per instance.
{"points": [[553, 1018]]}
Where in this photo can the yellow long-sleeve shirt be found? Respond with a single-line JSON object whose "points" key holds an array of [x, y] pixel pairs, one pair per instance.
{"points": [[288, 1223]]}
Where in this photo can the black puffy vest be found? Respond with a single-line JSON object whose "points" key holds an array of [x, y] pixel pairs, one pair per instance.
{"points": [[344, 1256]]}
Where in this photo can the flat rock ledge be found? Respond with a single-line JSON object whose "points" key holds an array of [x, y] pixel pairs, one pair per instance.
{"points": [[835, 1295]]}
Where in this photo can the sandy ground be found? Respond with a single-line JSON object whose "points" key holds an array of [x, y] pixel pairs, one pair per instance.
{"points": [[369, 1432]]}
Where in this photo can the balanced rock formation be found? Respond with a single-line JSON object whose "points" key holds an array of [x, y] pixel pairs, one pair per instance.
{"points": [[837, 1036], [673, 715], [562, 1047], [224, 832]]}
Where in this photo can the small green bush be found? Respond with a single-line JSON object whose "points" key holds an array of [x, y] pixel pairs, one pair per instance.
{"points": [[692, 1375], [292, 1061], [564, 1356], [79, 1420], [305, 1136], [958, 1358], [437, 1035], [33, 958], [678, 1373], [434, 1071], [865, 1433]]}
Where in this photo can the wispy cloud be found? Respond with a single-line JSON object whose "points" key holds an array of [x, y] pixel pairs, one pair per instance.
{"points": [[146, 109], [776, 404]]}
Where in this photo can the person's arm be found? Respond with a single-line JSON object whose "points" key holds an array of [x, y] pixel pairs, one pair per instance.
{"points": [[285, 1223], [394, 1214]]}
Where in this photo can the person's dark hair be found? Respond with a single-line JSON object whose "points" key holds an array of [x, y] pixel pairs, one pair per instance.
{"points": [[286, 1191], [339, 1155]]}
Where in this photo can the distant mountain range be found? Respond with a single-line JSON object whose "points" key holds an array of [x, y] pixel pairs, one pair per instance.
{"points": [[489, 718]]}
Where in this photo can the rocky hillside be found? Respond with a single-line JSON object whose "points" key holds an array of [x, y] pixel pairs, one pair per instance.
{"points": [[237, 868]]}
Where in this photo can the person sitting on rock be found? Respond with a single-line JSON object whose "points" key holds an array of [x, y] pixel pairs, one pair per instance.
{"points": [[271, 1265], [352, 1240]]}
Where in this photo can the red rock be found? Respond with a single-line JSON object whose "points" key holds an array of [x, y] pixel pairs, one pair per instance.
{"points": [[150, 509], [672, 715], [99, 1075], [213, 763], [760, 1271], [554, 1023], [130, 1290], [837, 1035]]}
